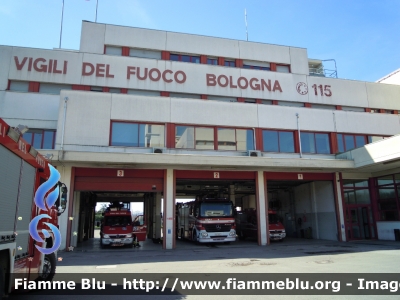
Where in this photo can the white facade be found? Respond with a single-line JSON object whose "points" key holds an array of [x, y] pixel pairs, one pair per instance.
{"points": [[83, 117]]}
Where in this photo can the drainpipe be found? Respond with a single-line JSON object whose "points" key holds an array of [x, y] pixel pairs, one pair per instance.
{"points": [[63, 127], [298, 131]]}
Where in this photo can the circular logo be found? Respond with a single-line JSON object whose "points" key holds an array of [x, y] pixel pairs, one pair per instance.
{"points": [[302, 88]]}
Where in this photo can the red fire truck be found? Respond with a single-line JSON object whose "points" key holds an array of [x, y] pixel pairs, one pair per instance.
{"points": [[117, 226], [246, 222], [22, 171], [209, 220]]}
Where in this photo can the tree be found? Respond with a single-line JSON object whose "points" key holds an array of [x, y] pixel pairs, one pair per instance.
{"points": [[99, 213]]}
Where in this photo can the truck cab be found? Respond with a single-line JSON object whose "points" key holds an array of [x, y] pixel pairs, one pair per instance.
{"points": [[117, 226], [246, 225]]}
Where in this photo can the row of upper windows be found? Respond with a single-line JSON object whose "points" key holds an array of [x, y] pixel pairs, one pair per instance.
{"points": [[40, 138], [227, 62], [52, 88], [130, 134], [199, 137]]}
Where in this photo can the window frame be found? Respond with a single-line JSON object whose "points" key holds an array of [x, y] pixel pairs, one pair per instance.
{"points": [[395, 185], [137, 123], [191, 57], [283, 65], [215, 137], [212, 59], [365, 137], [315, 142], [34, 131], [253, 67], [279, 139], [229, 63]]}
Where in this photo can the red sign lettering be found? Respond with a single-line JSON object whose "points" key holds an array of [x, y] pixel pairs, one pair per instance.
{"points": [[40, 65], [243, 83], [155, 74], [102, 70]]}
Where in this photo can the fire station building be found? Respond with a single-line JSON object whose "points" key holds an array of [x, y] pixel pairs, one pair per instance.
{"points": [[152, 116]]}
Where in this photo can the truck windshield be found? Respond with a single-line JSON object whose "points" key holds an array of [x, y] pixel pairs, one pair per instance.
{"points": [[216, 209], [273, 219], [117, 221]]}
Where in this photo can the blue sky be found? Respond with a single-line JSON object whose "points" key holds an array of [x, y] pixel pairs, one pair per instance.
{"points": [[363, 36]]}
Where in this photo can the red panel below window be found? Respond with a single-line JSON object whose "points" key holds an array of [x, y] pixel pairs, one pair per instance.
{"points": [[125, 51], [79, 87], [203, 59], [33, 86], [165, 55], [239, 63]]}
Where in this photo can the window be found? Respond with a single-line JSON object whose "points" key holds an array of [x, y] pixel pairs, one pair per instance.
{"points": [[212, 61], [53, 88], [229, 63], [278, 141], [143, 93], [266, 102], [347, 142], [247, 100], [185, 58], [289, 103], [373, 138], [388, 190], [204, 138], [221, 98], [19, 86], [111, 50], [256, 67], [137, 135], [192, 137], [315, 143], [152, 54], [235, 139], [184, 95], [40, 138], [282, 69], [356, 192], [323, 106], [352, 108], [96, 89], [115, 91]]}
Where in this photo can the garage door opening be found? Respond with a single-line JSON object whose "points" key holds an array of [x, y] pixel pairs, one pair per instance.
{"points": [[137, 190], [305, 208], [206, 210], [126, 214]]}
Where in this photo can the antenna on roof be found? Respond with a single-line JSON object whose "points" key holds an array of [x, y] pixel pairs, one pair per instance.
{"points": [[245, 20]]}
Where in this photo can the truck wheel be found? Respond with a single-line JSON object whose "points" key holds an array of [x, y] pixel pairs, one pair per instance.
{"points": [[49, 268], [194, 236]]}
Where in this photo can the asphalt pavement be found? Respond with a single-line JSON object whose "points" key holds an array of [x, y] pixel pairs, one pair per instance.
{"points": [[243, 257]]}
